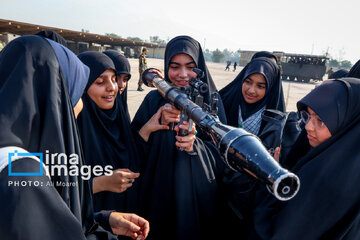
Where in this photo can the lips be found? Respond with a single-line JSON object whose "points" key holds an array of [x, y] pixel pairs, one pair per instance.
{"points": [[310, 137], [109, 98], [250, 97], [182, 82]]}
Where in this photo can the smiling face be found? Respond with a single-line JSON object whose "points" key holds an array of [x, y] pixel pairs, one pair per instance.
{"points": [[254, 88], [104, 89], [122, 81], [317, 131], [181, 69]]}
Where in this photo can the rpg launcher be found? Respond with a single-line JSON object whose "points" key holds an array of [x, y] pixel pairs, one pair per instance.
{"points": [[240, 149]]}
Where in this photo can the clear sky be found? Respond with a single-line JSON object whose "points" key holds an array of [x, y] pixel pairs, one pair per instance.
{"points": [[303, 26]]}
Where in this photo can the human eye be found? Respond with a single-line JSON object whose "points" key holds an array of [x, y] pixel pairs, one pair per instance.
{"points": [[173, 66], [99, 81], [261, 86]]}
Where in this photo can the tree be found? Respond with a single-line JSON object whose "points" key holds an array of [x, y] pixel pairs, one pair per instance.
{"points": [[157, 40], [135, 39], [346, 64], [112, 35], [217, 55], [207, 55]]}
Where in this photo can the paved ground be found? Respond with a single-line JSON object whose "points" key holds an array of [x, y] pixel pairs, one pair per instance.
{"points": [[293, 91]]}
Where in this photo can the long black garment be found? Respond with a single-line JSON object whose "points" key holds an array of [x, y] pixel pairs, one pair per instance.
{"points": [[107, 139], [327, 205], [37, 115], [180, 193], [232, 94], [122, 66]]}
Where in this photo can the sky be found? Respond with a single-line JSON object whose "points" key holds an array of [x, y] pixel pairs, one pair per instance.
{"points": [[306, 26]]}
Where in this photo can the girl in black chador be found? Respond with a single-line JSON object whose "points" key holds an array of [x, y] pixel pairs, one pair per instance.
{"points": [[105, 134], [180, 193], [123, 76], [255, 96], [326, 159], [40, 88]]}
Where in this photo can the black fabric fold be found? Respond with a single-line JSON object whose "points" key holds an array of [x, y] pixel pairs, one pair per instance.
{"points": [[37, 115], [327, 205], [107, 138]]}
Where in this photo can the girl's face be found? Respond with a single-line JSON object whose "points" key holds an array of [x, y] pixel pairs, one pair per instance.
{"points": [[254, 88], [122, 81], [181, 69], [104, 89], [317, 131]]}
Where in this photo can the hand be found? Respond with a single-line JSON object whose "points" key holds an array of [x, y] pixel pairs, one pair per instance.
{"points": [[118, 182], [186, 142], [128, 224], [276, 153], [170, 114], [153, 125], [157, 72]]}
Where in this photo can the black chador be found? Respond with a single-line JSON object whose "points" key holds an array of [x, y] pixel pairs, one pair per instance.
{"points": [[180, 193], [327, 205], [106, 137], [122, 66], [233, 99], [36, 114]]}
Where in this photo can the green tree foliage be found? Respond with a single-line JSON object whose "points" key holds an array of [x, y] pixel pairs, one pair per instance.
{"points": [[207, 55], [344, 64], [217, 55], [112, 35], [157, 40], [135, 39]]}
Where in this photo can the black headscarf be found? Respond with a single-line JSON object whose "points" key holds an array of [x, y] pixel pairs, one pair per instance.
{"points": [[191, 47], [52, 35], [328, 173], [37, 115], [232, 94], [122, 66], [339, 74], [179, 192], [263, 54], [107, 138], [355, 70]]}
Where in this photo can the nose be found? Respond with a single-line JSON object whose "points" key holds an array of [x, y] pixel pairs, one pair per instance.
{"points": [[251, 89], [183, 73], [309, 125], [120, 83], [110, 86]]}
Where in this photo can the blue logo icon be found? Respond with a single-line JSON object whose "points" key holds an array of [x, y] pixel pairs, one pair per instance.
{"points": [[16, 154]]}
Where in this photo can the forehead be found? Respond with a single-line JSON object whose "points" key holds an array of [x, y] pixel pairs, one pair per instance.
{"points": [[257, 78], [181, 58], [108, 72]]}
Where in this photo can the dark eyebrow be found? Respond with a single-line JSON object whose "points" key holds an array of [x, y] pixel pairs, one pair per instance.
{"points": [[189, 63], [264, 83]]}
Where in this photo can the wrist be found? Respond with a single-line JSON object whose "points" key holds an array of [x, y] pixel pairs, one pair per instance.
{"points": [[144, 132], [99, 184]]}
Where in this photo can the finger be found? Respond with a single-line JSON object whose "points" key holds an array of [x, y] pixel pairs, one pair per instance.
{"points": [[162, 127], [132, 227], [130, 175], [188, 138]]}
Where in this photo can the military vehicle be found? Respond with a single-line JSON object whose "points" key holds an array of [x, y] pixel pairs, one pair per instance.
{"points": [[303, 68], [294, 67]]}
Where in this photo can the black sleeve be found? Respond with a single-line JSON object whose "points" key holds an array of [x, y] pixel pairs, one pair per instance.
{"points": [[102, 218], [32, 209]]}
